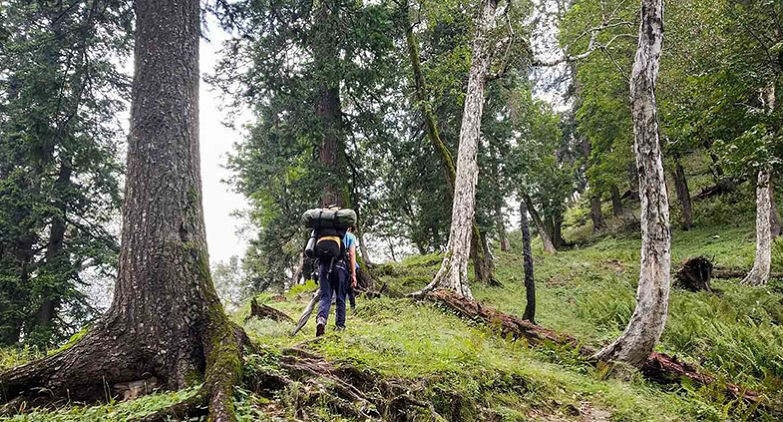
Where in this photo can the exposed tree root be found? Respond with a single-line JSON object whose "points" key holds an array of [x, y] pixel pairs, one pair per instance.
{"points": [[695, 274], [658, 367], [729, 273], [104, 358], [344, 388], [260, 310], [665, 369]]}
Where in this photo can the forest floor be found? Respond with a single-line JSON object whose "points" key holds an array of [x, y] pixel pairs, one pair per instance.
{"points": [[466, 371]]}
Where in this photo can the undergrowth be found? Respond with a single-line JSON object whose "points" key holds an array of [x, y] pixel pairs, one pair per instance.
{"points": [[469, 373]]}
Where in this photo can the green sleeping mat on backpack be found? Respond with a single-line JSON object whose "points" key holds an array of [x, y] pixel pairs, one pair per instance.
{"points": [[322, 218]]}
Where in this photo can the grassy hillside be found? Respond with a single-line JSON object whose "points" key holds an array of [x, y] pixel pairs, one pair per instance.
{"points": [[469, 373]]}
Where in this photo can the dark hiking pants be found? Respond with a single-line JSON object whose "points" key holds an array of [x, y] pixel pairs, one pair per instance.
{"points": [[335, 283]]}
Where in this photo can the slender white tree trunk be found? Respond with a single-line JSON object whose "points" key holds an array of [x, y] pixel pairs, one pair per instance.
{"points": [[453, 273], [759, 274], [652, 297]]}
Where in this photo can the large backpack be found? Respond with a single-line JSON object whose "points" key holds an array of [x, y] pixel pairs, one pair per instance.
{"points": [[329, 244], [329, 227]]}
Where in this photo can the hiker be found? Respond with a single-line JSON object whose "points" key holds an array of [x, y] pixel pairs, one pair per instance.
{"points": [[337, 281], [350, 248], [333, 247]]}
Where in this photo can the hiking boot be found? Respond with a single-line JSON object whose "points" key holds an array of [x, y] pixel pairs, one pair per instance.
{"points": [[339, 328], [319, 329]]}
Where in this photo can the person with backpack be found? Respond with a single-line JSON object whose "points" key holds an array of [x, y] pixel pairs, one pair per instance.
{"points": [[334, 246], [350, 245]]}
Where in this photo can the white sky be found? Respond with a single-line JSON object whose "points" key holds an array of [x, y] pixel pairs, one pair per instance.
{"points": [[217, 141]]}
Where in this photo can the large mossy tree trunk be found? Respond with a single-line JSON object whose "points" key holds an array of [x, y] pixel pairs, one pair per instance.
{"points": [[652, 297], [759, 274], [683, 194], [482, 262], [453, 273], [165, 320]]}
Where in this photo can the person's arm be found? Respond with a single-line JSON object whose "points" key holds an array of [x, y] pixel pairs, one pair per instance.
{"points": [[352, 253]]}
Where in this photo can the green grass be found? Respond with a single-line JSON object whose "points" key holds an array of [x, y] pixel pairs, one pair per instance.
{"points": [[469, 373]]}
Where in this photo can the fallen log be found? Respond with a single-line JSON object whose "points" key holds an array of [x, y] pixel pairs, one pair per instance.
{"points": [[723, 187], [728, 273], [260, 310], [659, 367]]}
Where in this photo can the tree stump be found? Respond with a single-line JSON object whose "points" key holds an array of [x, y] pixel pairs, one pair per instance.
{"points": [[695, 275], [259, 310]]}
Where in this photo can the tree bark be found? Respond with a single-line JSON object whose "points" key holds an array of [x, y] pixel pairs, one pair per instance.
{"points": [[652, 298], [617, 202], [453, 273], [433, 134], [505, 246], [759, 274], [774, 213], [166, 319], [21, 255], [483, 261], [328, 109], [549, 247], [329, 114], [47, 310], [596, 215], [556, 230], [683, 194], [530, 285]]}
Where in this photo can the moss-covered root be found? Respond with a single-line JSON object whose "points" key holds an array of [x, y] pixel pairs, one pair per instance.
{"points": [[224, 348]]}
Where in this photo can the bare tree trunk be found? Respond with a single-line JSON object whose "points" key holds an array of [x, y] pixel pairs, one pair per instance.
{"points": [[433, 134], [21, 255], [617, 202], [482, 268], [683, 194], [330, 115], [596, 215], [774, 213], [328, 110], [483, 261], [298, 271], [453, 273], [363, 248], [652, 297], [166, 319], [556, 230], [549, 246], [505, 246], [50, 303], [530, 285], [759, 274]]}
